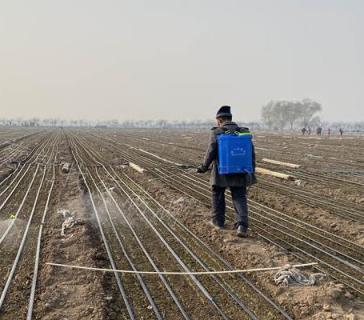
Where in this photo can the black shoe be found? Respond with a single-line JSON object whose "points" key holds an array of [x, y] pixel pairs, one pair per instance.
{"points": [[216, 226], [242, 232]]}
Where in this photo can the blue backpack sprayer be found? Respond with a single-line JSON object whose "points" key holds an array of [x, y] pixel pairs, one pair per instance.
{"points": [[235, 153]]}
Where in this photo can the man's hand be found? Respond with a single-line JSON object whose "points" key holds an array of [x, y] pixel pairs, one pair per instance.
{"points": [[201, 169]]}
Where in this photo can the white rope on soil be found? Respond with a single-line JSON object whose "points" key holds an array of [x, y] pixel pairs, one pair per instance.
{"points": [[172, 273]]}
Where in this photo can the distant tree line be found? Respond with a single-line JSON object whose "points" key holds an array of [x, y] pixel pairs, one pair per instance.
{"points": [[276, 115], [164, 124], [282, 114]]}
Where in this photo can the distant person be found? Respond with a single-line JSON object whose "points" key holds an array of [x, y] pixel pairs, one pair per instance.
{"points": [[309, 131], [329, 132], [237, 182], [341, 132], [303, 131], [319, 131]]}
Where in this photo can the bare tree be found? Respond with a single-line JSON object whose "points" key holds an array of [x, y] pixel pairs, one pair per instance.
{"points": [[279, 114], [267, 114], [309, 110]]}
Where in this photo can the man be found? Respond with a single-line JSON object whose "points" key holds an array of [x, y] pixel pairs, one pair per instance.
{"points": [[341, 132], [237, 182], [303, 131]]}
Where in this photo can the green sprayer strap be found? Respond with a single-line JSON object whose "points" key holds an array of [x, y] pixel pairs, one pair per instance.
{"points": [[244, 134], [238, 133]]}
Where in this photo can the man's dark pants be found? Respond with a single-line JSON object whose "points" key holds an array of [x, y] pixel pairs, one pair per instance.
{"points": [[239, 198]]}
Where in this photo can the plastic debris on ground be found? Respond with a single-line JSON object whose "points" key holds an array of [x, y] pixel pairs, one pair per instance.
{"points": [[69, 220], [298, 183], [66, 167], [289, 275], [179, 200]]}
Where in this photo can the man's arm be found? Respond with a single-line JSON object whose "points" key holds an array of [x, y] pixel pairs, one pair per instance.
{"points": [[211, 154]]}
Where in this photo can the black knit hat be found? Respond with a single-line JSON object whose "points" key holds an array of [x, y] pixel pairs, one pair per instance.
{"points": [[224, 111]]}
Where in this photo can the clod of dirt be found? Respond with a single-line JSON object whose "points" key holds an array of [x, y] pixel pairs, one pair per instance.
{"points": [[326, 307], [337, 291]]}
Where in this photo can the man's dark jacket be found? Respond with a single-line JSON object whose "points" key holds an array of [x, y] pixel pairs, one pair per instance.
{"points": [[227, 180]]}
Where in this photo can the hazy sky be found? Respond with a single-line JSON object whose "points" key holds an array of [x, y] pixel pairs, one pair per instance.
{"points": [[130, 59]]}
